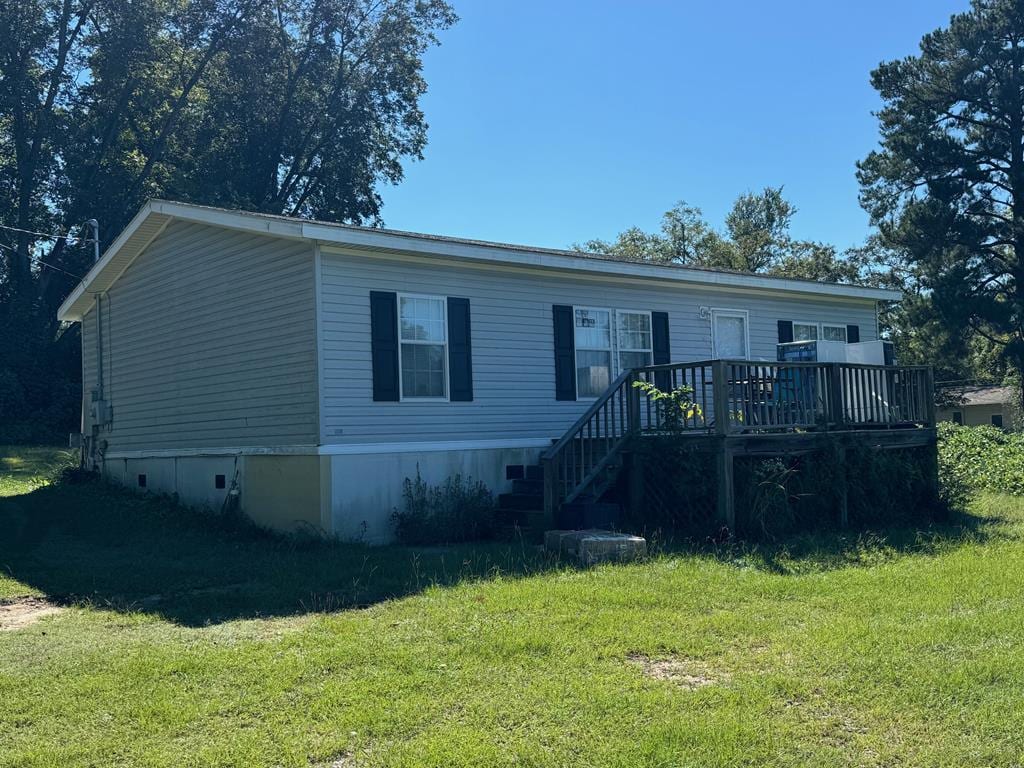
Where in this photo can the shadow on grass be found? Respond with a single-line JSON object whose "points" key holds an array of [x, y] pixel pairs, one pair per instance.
{"points": [[98, 544], [94, 543], [829, 549]]}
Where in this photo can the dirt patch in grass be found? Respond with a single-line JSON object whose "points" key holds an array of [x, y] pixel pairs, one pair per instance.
{"points": [[690, 674], [23, 611]]}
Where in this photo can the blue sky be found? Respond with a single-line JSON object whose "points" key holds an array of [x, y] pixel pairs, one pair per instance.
{"points": [[555, 122]]}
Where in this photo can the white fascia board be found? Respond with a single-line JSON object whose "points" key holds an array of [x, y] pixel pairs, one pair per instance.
{"points": [[103, 263], [423, 245], [386, 241], [412, 243]]}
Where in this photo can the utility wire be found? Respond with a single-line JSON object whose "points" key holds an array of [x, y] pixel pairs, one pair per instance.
{"points": [[45, 264], [40, 234]]}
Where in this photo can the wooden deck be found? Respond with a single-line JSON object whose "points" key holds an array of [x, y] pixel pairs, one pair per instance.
{"points": [[742, 408]]}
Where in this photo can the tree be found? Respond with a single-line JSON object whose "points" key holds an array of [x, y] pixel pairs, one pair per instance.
{"points": [[755, 239], [301, 107], [684, 238], [758, 227], [946, 187]]}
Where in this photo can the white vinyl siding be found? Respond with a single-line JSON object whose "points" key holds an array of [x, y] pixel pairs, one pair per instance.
{"points": [[513, 342], [209, 341]]}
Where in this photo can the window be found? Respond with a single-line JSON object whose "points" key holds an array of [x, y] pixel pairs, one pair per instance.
{"points": [[815, 331], [958, 417], [593, 337], [635, 341], [423, 351], [805, 331], [997, 420], [729, 335], [833, 332]]}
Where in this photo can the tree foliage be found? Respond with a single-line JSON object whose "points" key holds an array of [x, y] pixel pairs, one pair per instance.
{"points": [[754, 237], [946, 187], [300, 107]]}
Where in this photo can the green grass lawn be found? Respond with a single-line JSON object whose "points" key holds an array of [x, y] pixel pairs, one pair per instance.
{"points": [[188, 641]]}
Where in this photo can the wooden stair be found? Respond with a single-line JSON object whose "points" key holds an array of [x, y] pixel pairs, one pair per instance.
{"points": [[521, 512], [521, 516]]}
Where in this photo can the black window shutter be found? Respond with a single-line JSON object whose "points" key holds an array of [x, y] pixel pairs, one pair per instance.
{"points": [[565, 352], [852, 334], [460, 351], [384, 341], [785, 331], [661, 348]]}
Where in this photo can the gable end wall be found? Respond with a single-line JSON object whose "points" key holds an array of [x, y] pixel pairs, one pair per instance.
{"points": [[209, 342]]}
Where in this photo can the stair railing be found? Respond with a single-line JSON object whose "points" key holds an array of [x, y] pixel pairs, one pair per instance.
{"points": [[590, 445]]}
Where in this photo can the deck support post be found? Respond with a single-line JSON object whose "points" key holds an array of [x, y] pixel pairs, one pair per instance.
{"points": [[726, 508], [842, 488]]}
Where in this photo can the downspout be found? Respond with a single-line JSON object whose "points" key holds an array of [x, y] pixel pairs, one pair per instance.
{"points": [[99, 346], [97, 393]]}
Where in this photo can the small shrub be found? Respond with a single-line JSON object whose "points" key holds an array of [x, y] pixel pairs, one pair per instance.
{"points": [[457, 510], [675, 408]]}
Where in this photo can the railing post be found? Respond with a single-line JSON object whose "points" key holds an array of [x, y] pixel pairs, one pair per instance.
{"points": [[720, 393], [837, 405], [929, 394], [632, 404]]}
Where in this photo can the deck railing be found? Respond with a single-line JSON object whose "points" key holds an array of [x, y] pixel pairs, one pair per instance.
{"points": [[733, 398]]}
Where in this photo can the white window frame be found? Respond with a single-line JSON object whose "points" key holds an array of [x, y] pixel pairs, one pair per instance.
{"points": [[821, 332], [616, 363], [610, 350], [717, 312], [816, 326], [444, 324], [821, 329]]}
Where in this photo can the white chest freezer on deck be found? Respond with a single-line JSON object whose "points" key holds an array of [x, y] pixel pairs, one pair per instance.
{"points": [[865, 390]]}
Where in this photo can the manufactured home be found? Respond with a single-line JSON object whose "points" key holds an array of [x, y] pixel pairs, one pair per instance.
{"points": [[310, 367]]}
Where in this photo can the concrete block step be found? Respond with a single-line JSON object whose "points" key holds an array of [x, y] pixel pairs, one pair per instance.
{"points": [[595, 546]]}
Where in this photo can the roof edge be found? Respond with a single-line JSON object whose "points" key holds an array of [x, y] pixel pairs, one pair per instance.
{"points": [[369, 238]]}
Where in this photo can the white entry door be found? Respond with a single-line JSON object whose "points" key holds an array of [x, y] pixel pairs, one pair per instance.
{"points": [[730, 334]]}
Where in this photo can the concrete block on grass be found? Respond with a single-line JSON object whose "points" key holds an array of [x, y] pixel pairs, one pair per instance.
{"points": [[595, 546]]}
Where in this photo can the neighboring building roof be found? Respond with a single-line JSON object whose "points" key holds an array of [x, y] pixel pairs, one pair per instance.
{"points": [[150, 221], [980, 395]]}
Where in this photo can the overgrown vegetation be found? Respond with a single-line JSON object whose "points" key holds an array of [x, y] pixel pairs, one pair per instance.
{"points": [[979, 459], [780, 496], [459, 509]]}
